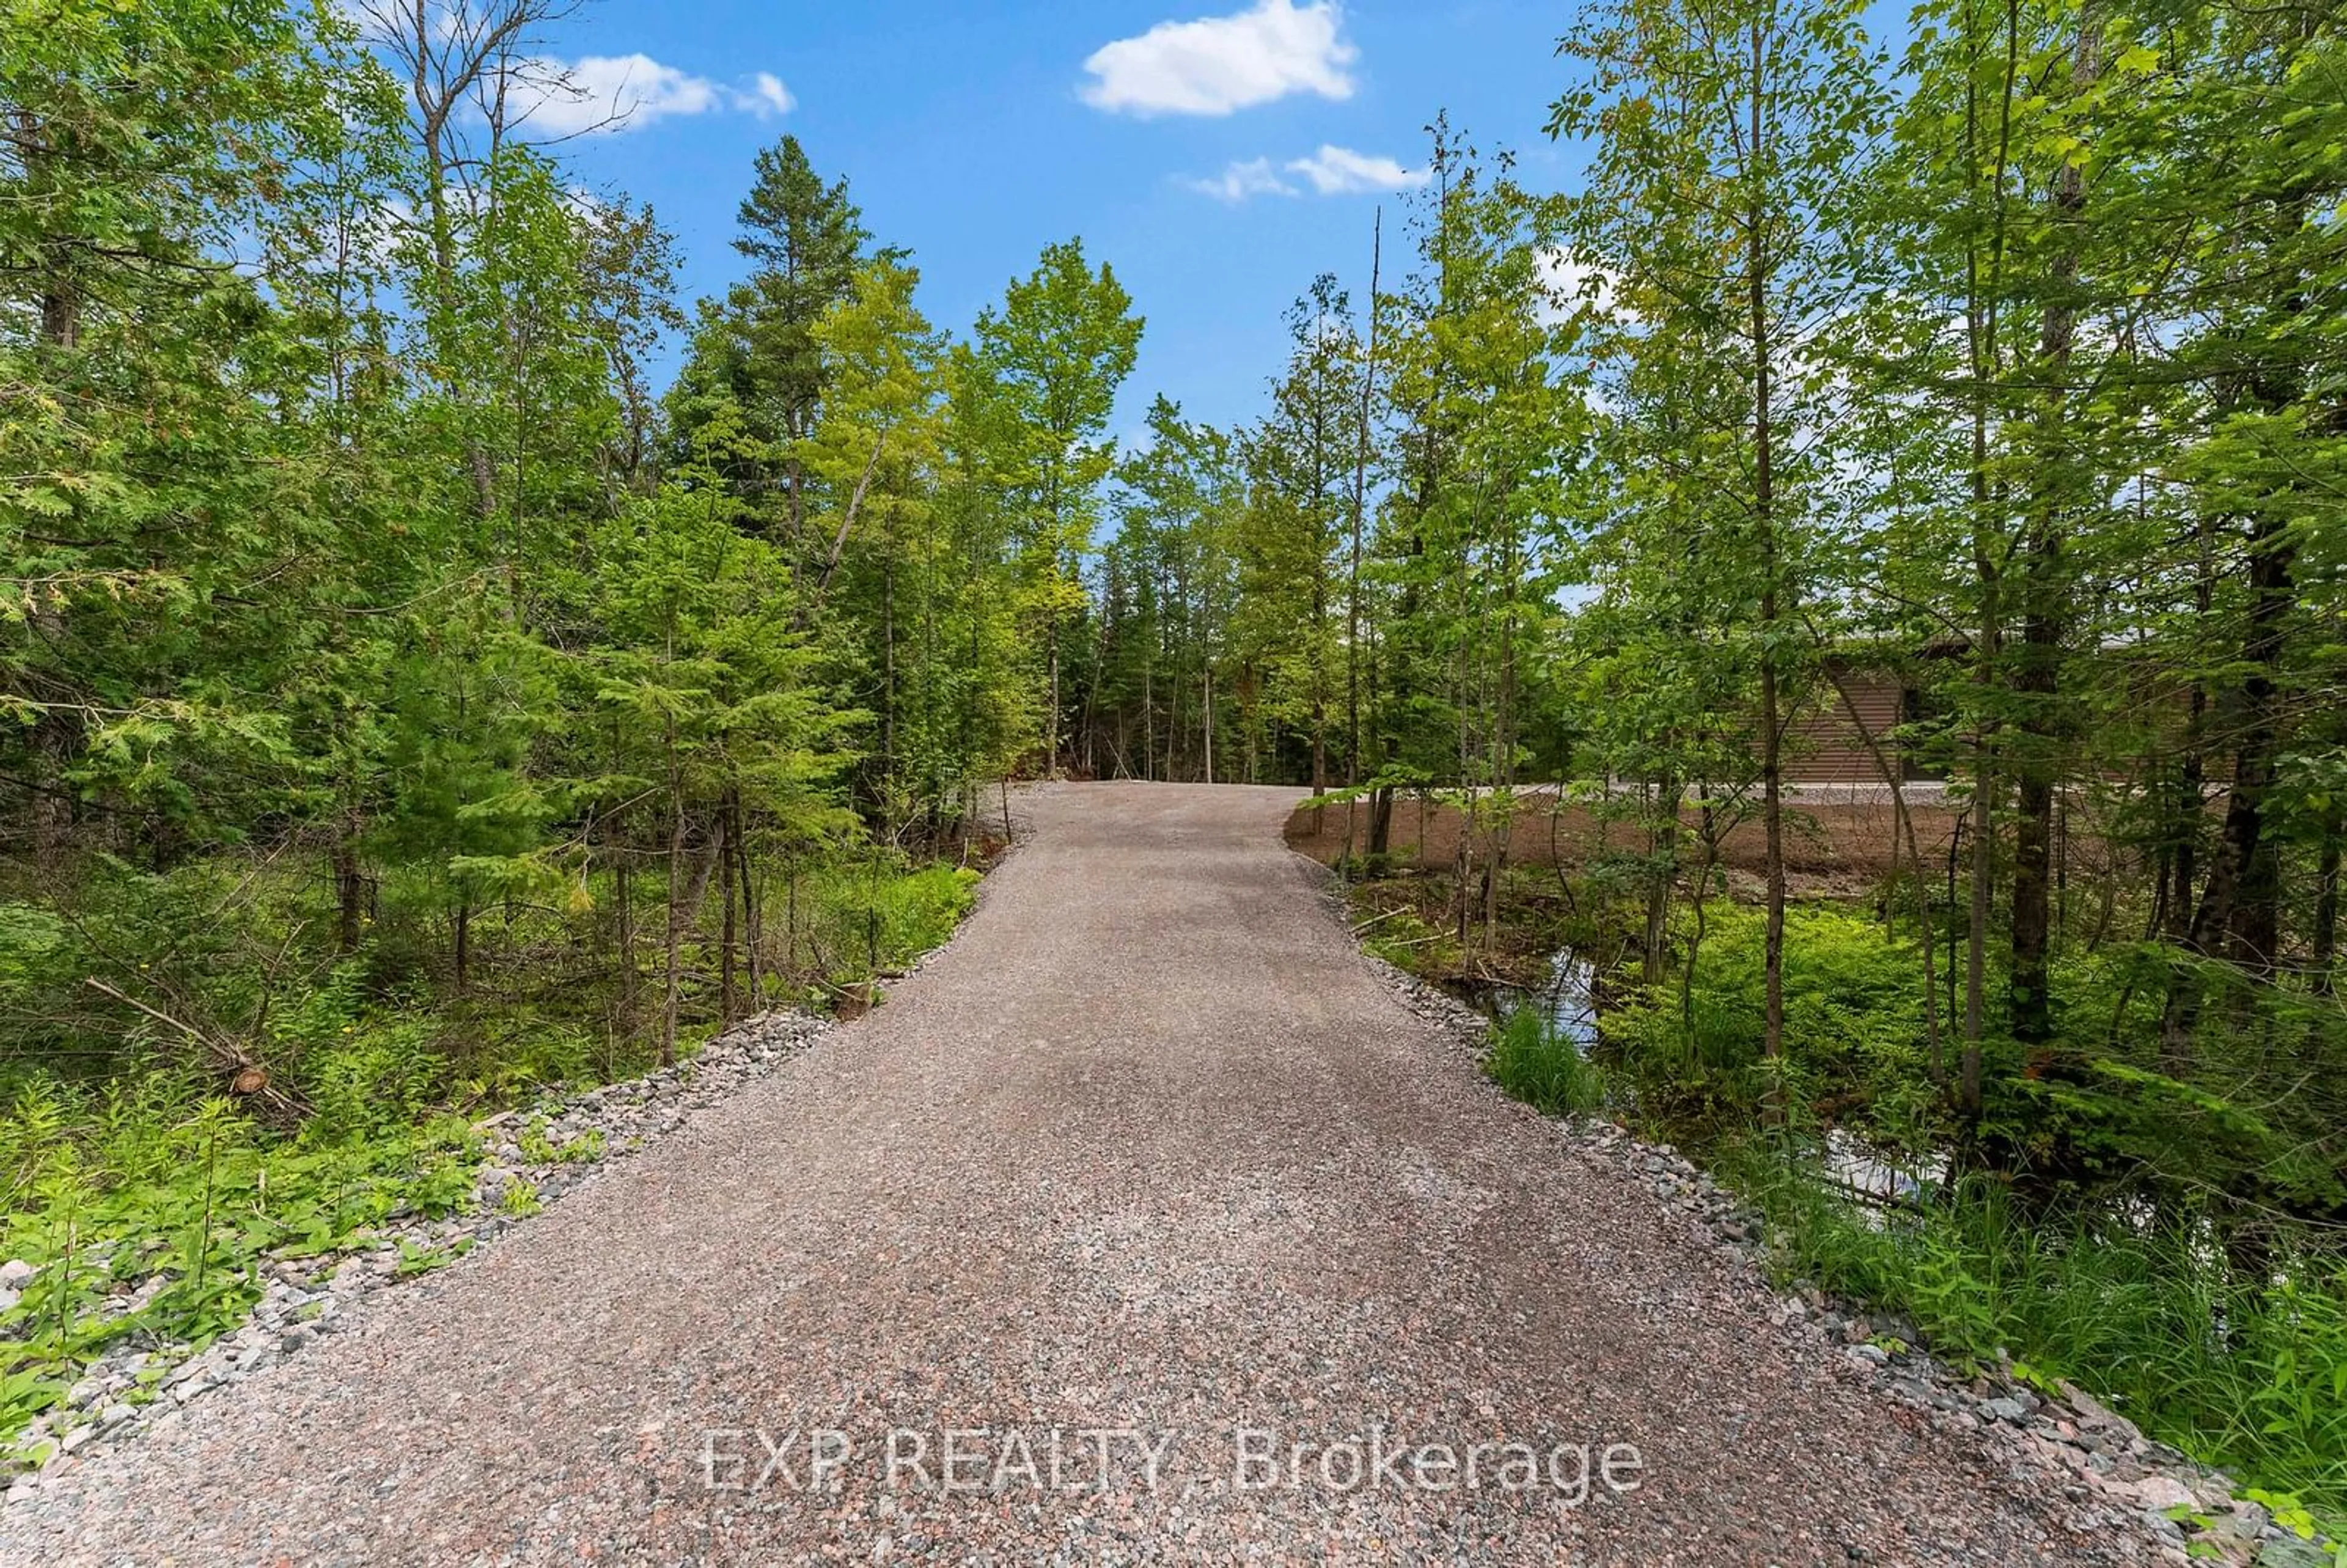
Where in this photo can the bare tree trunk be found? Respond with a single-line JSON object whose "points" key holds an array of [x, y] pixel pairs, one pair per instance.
{"points": [[728, 1007], [1772, 740], [625, 876], [1207, 729]]}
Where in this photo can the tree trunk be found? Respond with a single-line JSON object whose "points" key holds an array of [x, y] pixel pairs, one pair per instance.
{"points": [[2238, 914], [627, 921], [685, 897], [1206, 730], [2323, 943], [1662, 876], [350, 886], [888, 824], [675, 937], [1360, 500], [1772, 741], [1319, 770], [1982, 296], [753, 915], [2191, 809], [791, 910], [728, 1008], [2253, 933], [1051, 717], [2045, 610]]}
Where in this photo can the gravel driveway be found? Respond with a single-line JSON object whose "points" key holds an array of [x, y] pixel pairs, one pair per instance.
{"points": [[1143, 1225]]}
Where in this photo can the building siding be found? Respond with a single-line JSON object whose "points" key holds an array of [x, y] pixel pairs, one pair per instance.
{"points": [[1824, 745]]}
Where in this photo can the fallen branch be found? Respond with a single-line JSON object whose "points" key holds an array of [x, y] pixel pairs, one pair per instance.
{"points": [[246, 1077]]}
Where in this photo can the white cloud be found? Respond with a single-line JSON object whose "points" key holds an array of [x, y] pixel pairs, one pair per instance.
{"points": [[1242, 179], [610, 93], [614, 92], [375, 233], [1338, 171], [771, 93], [1573, 283], [1218, 63], [1331, 171]]}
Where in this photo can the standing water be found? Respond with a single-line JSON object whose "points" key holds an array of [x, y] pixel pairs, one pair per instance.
{"points": [[1566, 1000], [1881, 1175]]}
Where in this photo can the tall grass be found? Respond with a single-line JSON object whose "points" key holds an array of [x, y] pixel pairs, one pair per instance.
{"points": [[863, 919], [1543, 1066], [2144, 1315]]}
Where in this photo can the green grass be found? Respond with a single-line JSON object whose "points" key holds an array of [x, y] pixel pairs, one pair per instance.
{"points": [[903, 917], [2148, 1320], [140, 1177], [1541, 1066]]}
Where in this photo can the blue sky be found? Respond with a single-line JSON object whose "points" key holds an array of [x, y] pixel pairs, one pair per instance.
{"points": [[976, 133]]}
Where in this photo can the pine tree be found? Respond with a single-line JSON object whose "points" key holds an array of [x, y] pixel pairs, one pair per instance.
{"points": [[757, 346]]}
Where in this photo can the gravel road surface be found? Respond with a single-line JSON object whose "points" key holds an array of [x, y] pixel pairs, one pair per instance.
{"points": [[1143, 1225]]}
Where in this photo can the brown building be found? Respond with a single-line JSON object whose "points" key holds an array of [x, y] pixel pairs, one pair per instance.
{"points": [[1857, 697]]}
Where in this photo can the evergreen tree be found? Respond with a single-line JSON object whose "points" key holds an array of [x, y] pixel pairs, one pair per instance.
{"points": [[806, 241]]}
